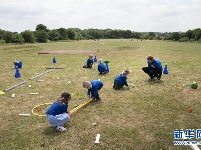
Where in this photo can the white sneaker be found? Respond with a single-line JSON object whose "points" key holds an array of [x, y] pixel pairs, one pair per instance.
{"points": [[60, 128]]}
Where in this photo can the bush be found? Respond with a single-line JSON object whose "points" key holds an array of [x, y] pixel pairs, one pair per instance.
{"points": [[151, 38], [191, 40], [184, 39], [19, 39], [2, 42]]}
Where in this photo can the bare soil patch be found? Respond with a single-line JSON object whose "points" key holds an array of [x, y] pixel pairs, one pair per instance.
{"points": [[67, 51]]}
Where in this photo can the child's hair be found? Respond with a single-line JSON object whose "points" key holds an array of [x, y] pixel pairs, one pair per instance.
{"points": [[100, 61], [65, 97], [126, 71], [150, 57], [85, 83], [90, 55]]}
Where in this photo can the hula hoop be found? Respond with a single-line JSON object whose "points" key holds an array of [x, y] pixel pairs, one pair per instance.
{"points": [[69, 112], [42, 115]]}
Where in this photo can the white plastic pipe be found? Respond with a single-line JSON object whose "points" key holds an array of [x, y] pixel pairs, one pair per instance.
{"points": [[14, 86], [41, 74]]}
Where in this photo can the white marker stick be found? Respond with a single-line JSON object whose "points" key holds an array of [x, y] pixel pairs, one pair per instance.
{"points": [[40, 80], [97, 138], [13, 95], [24, 114], [33, 93], [194, 147]]}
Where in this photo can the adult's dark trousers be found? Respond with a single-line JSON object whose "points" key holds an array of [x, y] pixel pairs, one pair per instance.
{"points": [[153, 72]]}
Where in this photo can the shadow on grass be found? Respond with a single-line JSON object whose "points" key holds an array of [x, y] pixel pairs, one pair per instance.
{"points": [[51, 131]]}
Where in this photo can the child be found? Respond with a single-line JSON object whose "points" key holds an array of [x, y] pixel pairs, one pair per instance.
{"points": [[89, 62], [57, 113], [93, 88], [120, 80], [154, 68], [101, 67]]}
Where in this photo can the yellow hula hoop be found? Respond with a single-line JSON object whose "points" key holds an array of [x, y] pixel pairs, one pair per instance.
{"points": [[72, 111], [37, 107]]}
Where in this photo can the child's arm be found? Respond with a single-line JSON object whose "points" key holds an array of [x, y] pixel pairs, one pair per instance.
{"points": [[88, 93], [65, 108], [95, 92], [98, 67], [125, 80]]}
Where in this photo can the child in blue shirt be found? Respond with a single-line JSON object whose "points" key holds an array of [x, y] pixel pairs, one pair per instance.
{"points": [[102, 67], [154, 68], [120, 80], [57, 113], [89, 63], [93, 88]]}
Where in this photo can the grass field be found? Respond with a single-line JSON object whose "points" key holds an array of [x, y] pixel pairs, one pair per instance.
{"points": [[140, 118]]}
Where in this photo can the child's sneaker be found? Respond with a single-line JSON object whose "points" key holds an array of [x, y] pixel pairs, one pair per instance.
{"points": [[60, 128], [98, 99], [158, 80]]}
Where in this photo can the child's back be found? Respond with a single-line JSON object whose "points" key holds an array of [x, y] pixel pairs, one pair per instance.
{"points": [[102, 68], [57, 108], [57, 113], [121, 80]]}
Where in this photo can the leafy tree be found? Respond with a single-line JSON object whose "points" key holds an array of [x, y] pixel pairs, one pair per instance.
{"points": [[175, 36], [19, 39], [112, 34], [8, 37], [41, 36], [1, 33], [137, 35], [53, 35], [152, 35], [71, 34], [63, 34], [28, 36], [95, 33], [78, 36], [197, 33], [40, 27], [189, 34]]}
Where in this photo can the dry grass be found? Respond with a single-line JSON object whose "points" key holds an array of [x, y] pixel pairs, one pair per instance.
{"points": [[142, 117]]}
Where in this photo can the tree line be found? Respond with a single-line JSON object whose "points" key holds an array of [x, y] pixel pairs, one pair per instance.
{"points": [[42, 35]]}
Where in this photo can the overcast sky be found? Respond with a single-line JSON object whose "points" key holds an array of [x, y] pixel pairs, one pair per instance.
{"points": [[135, 15]]}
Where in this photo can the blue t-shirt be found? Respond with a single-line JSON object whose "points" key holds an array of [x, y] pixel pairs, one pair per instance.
{"points": [[121, 79], [102, 68], [57, 108], [89, 62], [96, 85], [156, 64]]}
